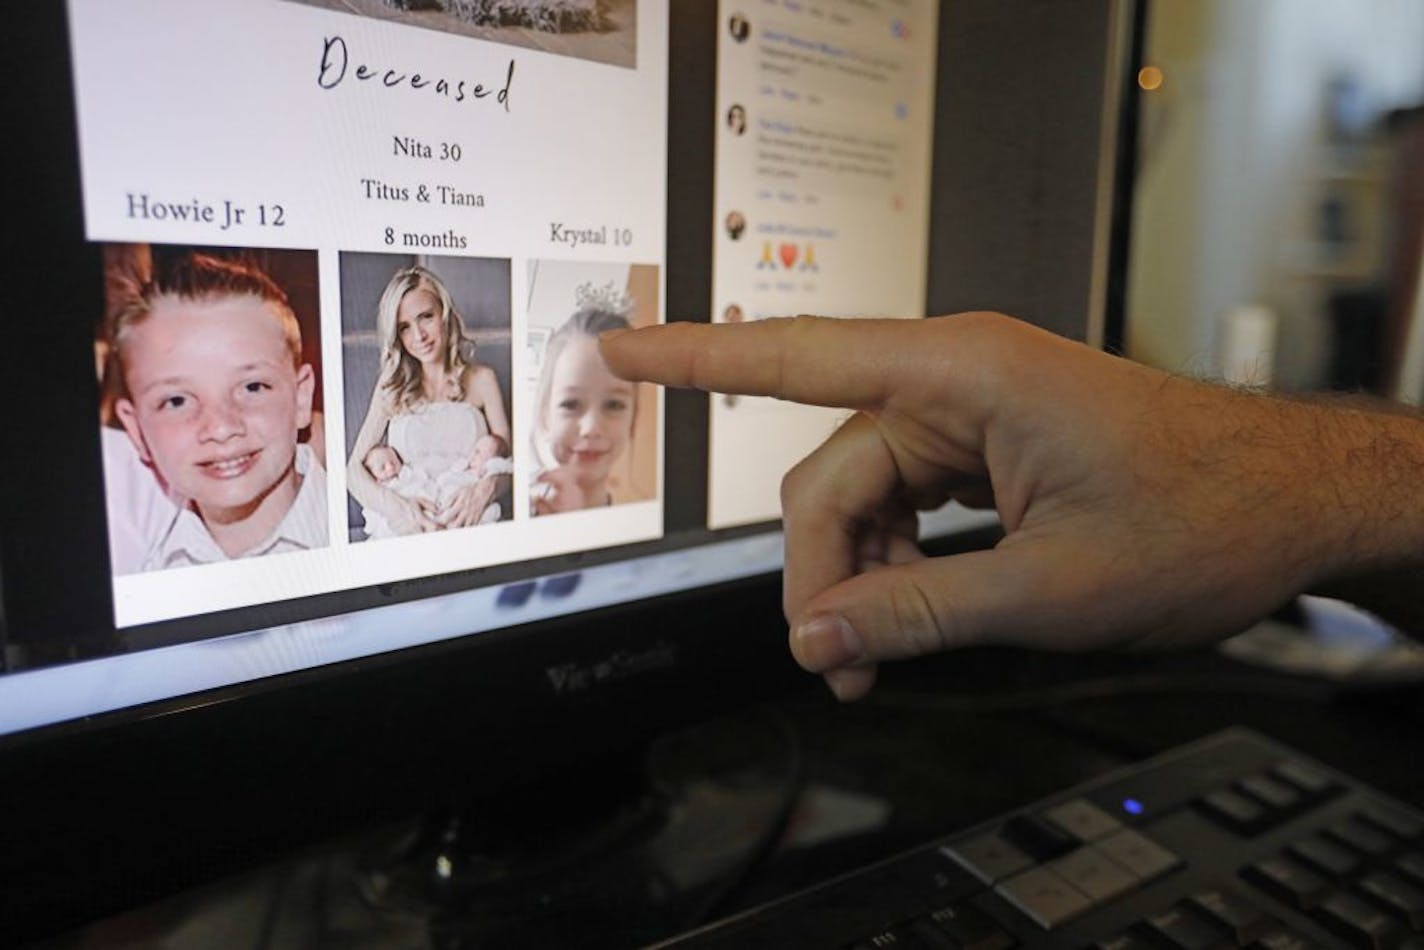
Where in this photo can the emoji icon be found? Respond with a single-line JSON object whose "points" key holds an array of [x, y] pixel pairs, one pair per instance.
{"points": [[789, 253]]}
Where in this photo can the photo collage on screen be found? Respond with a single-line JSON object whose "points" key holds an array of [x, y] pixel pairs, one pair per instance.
{"points": [[364, 350]]}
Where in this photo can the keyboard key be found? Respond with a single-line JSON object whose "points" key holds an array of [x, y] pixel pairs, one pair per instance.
{"points": [[1314, 782], [1326, 856], [916, 935], [1138, 854], [1358, 922], [926, 934], [971, 928], [1361, 837], [1131, 940], [1269, 792], [846, 909], [1405, 900], [1038, 838], [1094, 873], [1044, 897], [881, 941], [900, 938], [1246, 922], [1082, 819], [1298, 887], [1412, 864], [1393, 821], [1284, 939], [1183, 928], [1235, 811], [933, 874], [988, 857]]}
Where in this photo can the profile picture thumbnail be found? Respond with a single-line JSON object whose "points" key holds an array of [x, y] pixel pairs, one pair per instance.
{"points": [[736, 225], [740, 27], [737, 120], [426, 355], [210, 407]]}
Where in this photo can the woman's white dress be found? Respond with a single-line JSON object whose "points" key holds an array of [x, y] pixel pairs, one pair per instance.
{"points": [[435, 441]]}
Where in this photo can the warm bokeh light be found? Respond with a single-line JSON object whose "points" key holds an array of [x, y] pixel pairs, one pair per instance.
{"points": [[1149, 78]]}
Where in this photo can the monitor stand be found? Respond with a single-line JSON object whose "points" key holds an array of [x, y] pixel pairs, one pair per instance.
{"points": [[673, 827]]}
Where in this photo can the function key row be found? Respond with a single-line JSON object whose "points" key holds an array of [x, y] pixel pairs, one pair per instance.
{"points": [[1218, 919], [1028, 840], [1255, 803], [1052, 893], [1343, 877], [1208, 920]]}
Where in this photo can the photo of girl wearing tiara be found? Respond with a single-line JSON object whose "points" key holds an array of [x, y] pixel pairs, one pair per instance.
{"points": [[593, 434]]}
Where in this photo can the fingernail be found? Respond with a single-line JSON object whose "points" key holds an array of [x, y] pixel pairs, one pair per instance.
{"points": [[839, 687], [827, 641]]}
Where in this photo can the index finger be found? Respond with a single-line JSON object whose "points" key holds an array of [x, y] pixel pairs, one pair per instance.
{"points": [[817, 360]]}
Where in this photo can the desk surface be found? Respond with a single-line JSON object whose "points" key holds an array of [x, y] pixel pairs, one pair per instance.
{"points": [[940, 745]]}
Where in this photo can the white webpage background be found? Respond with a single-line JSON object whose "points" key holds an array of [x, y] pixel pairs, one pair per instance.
{"points": [[220, 101], [874, 261]]}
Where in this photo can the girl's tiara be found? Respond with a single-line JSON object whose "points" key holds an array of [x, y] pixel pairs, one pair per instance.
{"points": [[607, 298]]}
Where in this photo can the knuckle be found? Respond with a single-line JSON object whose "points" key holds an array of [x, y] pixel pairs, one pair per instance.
{"points": [[793, 486], [922, 625], [984, 322], [803, 495], [795, 333], [981, 331]]}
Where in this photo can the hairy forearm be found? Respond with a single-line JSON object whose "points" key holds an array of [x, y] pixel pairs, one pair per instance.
{"points": [[1370, 465]]}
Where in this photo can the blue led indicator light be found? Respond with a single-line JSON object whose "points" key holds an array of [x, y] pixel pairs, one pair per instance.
{"points": [[1132, 806]]}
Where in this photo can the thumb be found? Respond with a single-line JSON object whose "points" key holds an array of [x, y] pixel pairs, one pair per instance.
{"points": [[1002, 596]]}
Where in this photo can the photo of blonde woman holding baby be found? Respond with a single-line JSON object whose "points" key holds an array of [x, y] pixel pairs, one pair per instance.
{"points": [[433, 450]]}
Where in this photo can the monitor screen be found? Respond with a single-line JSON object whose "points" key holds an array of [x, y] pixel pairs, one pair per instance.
{"points": [[822, 203], [319, 507], [346, 264]]}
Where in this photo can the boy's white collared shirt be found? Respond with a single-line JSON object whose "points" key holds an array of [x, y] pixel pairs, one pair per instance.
{"points": [[187, 540]]}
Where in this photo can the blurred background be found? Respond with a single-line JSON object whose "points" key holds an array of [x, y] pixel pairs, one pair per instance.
{"points": [[1279, 207]]}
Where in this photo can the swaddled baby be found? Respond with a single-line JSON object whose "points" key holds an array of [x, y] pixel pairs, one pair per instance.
{"points": [[437, 489]]}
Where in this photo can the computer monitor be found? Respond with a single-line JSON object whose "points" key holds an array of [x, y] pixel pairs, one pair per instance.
{"points": [[319, 508]]}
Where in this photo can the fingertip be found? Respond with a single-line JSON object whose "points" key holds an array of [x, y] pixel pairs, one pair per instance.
{"points": [[826, 642], [850, 683], [607, 338]]}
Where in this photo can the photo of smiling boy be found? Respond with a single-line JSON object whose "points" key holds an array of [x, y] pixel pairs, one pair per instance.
{"points": [[213, 393]]}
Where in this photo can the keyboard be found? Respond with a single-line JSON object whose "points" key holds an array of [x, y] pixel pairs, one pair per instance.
{"points": [[1232, 841]]}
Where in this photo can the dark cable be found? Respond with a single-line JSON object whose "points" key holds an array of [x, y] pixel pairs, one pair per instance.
{"points": [[712, 906], [273, 913]]}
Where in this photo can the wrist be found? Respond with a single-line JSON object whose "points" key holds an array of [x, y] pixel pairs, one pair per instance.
{"points": [[1367, 491]]}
